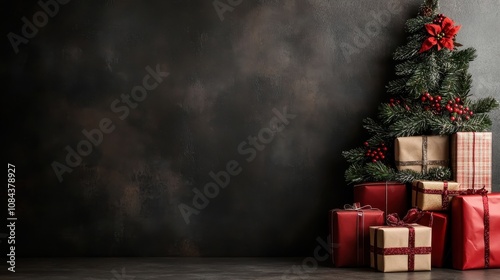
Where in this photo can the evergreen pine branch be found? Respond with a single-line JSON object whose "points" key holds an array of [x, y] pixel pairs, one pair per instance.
{"points": [[376, 139], [408, 51], [397, 86], [463, 57], [407, 176], [415, 24], [415, 124], [433, 4], [438, 174], [355, 173], [449, 84], [443, 126], [389, 114], [483, 105], [406, 68], [464, 86], [372, 126], [425, 76], [356, 155], [379, 171]]}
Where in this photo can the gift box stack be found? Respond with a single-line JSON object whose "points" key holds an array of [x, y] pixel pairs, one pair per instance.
{"points": [[426, 166], [445, 223]]}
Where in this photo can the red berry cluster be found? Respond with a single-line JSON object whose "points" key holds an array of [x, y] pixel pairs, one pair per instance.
{"points": [[455, 107], [432, 102], [457, 110], [377, 153], [393, 102], [439, 19]]}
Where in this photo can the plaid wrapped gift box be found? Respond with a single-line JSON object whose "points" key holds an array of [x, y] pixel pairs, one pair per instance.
{"points": [[471, 159]]}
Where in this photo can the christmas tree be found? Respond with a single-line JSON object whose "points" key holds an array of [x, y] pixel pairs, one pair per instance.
{"points": [[430, 96]]}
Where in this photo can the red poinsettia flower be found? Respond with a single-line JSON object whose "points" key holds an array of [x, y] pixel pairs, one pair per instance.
{"points": [[441, 35]]}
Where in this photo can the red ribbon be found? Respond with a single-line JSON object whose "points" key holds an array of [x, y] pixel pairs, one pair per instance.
{"points": [[411, 250], [445, 194], [360, 224], [393, 220], [486, 231], [481, 191]]}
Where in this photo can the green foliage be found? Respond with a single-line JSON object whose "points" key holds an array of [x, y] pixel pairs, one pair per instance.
{"points": [[442, 73]]}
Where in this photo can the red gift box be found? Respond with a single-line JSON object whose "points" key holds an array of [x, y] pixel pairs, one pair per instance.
{"points": [[475, 231], [350, 235], [471, 159], [439, 224], [390, 197]]}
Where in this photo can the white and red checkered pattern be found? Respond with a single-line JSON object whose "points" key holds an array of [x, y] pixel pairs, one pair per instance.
{"points": [[471, 159]]}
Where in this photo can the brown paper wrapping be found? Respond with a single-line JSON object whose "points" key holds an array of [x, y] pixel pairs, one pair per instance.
{"points": [[397, 237], [419, 153], [429, 195]]}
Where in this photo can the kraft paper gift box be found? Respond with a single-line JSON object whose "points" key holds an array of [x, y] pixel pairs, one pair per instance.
{"points": [[475, 238], [390, 197], [350, 235], [471, 154], [433, 195], [439, 222], [400, 248], [420, 153]]}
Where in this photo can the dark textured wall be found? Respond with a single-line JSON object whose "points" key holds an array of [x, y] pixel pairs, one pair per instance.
{"points": [[323, 64]]}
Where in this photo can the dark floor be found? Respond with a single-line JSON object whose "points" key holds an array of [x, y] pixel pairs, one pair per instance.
{"points": [[212, 268]]}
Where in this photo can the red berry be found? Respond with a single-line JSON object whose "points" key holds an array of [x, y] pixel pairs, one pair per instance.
{"points": [[467, 117], [471, 113], [423, 98], [457, 99], [385, 148], [452, 118], [439, 97], [382, 156], [366, 143], [374, 160]]}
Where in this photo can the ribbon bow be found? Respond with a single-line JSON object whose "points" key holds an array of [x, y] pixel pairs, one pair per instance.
{"points": [[412, 216], [356, 206], [481, 191]]}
